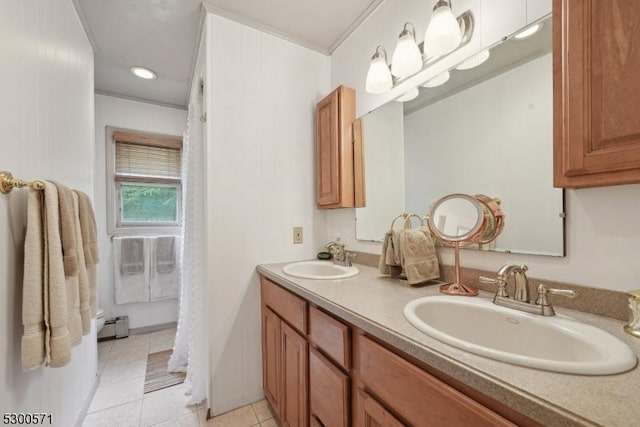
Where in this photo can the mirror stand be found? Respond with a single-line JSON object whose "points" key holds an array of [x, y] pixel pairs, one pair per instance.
{"points": [[457, 287]]}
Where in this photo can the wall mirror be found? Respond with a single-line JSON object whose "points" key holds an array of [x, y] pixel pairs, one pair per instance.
{"points": [[488, 129]]}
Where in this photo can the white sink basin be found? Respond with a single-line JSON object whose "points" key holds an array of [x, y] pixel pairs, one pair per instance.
{"points": [[555, 343], [319, 270]]}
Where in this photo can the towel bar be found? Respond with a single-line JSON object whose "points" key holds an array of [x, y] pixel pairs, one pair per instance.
{"points": [[8, 183], [407, 219]]}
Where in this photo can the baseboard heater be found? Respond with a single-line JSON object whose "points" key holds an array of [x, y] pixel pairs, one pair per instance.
{"points": [[114, 329]]}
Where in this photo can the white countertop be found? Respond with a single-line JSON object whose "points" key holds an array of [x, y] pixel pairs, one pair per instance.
{"points": [[375, 304]]}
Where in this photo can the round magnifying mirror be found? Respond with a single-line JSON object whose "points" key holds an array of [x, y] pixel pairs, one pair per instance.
{"points": [[456, 217]]}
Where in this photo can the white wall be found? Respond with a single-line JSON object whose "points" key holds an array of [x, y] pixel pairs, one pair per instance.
{"points": [[261, 97], [46, 122], [602, 227], [383, 141], [135, 115], [497, 129]]}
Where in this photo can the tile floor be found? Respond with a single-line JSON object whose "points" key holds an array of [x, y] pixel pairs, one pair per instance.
{"points": [[119, 400]]}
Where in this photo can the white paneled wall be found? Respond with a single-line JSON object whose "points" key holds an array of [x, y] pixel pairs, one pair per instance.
{"points": [[602, 227], [141, 116], [261, 97], [46, 122]]}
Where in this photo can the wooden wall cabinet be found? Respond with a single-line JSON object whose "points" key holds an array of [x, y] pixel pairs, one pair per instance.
{"points": [[596, 58], [339, 165]]}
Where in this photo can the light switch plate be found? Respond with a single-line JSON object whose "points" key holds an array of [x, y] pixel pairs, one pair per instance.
{"points": [[297, 235]]}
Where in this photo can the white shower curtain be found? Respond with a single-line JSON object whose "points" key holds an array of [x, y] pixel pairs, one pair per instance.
{"points": [[189, 352]]}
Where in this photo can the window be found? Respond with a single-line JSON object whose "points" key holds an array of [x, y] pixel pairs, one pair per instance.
{"points": [[145, 182]]}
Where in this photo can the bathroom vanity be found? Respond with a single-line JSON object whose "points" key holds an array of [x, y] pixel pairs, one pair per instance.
{"points": [[340, 353]]}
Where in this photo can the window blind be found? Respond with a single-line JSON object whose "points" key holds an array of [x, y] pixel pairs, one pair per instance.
{"points": [[136, 160]]}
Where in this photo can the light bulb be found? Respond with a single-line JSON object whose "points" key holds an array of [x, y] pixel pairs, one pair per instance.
{"points": [[407, 59], [438, 80], [443, 33], [143, 73], [474, 61], [379, 78], [408, 95]]}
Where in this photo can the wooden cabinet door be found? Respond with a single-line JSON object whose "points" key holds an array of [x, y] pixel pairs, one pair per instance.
{"points": [[271, 358], [335, 162], [327, 151], [295, 390], [596, 58], [373, 414], [328, 392]]}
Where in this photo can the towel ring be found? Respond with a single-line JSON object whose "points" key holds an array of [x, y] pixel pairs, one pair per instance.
{"points": [[407, 220]]}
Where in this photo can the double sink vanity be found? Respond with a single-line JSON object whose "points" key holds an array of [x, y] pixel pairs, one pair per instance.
{"points": [[365, 349]]}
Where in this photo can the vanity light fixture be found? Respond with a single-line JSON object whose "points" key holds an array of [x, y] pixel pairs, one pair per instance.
{"points": [[407, 59], [409, 95], [474, 61], [528, 32], [143, 73], [443, 34], [379, 78], [438, 80]]}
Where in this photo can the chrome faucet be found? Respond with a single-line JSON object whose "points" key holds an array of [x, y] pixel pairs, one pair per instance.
{"points": [[520, 300], [339, 254]]}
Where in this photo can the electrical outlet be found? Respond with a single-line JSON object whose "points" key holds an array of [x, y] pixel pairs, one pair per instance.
{"points": [[297, 235]]}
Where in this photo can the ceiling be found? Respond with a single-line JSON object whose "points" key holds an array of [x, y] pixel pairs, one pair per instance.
{"points": [[163, 34]]}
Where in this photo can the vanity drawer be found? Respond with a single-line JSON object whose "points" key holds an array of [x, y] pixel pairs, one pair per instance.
{"points": [[290, 308], [418, 397], [328, 393], [331, 336]]}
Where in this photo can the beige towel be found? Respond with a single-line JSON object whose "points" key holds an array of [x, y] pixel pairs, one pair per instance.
{"points": [[67, 230], [83, 280], [57, 340], [70, 261], [33, 346], [389, 264], [89, 245], [419, 259]]}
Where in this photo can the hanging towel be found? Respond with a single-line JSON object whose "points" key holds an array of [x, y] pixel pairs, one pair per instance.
{"points": [[165, 254], [132, 260], [419, 259], [389, 263], [130, 287], [57, 340], [70, 261], [33, 345], [83, 280], [90, 247], [164, 275]]}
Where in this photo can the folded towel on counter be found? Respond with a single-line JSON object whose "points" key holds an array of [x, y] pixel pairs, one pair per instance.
{"points": [[90, 247], [33, 345], [165, 254], [131, 282], [83, 279], [419, 259], [132, 260], [57, 339], [164, 276]]}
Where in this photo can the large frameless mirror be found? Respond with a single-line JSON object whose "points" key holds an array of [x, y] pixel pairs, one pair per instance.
{"points": [[485, 127]]}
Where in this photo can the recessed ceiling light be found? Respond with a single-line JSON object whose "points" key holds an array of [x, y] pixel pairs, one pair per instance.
{"points": [[438, 80], [144, 73], [409, 95], [528, 32], [474, 61]]}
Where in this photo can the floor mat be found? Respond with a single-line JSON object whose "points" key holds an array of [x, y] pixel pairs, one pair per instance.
{"points": [[157, 376]]}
